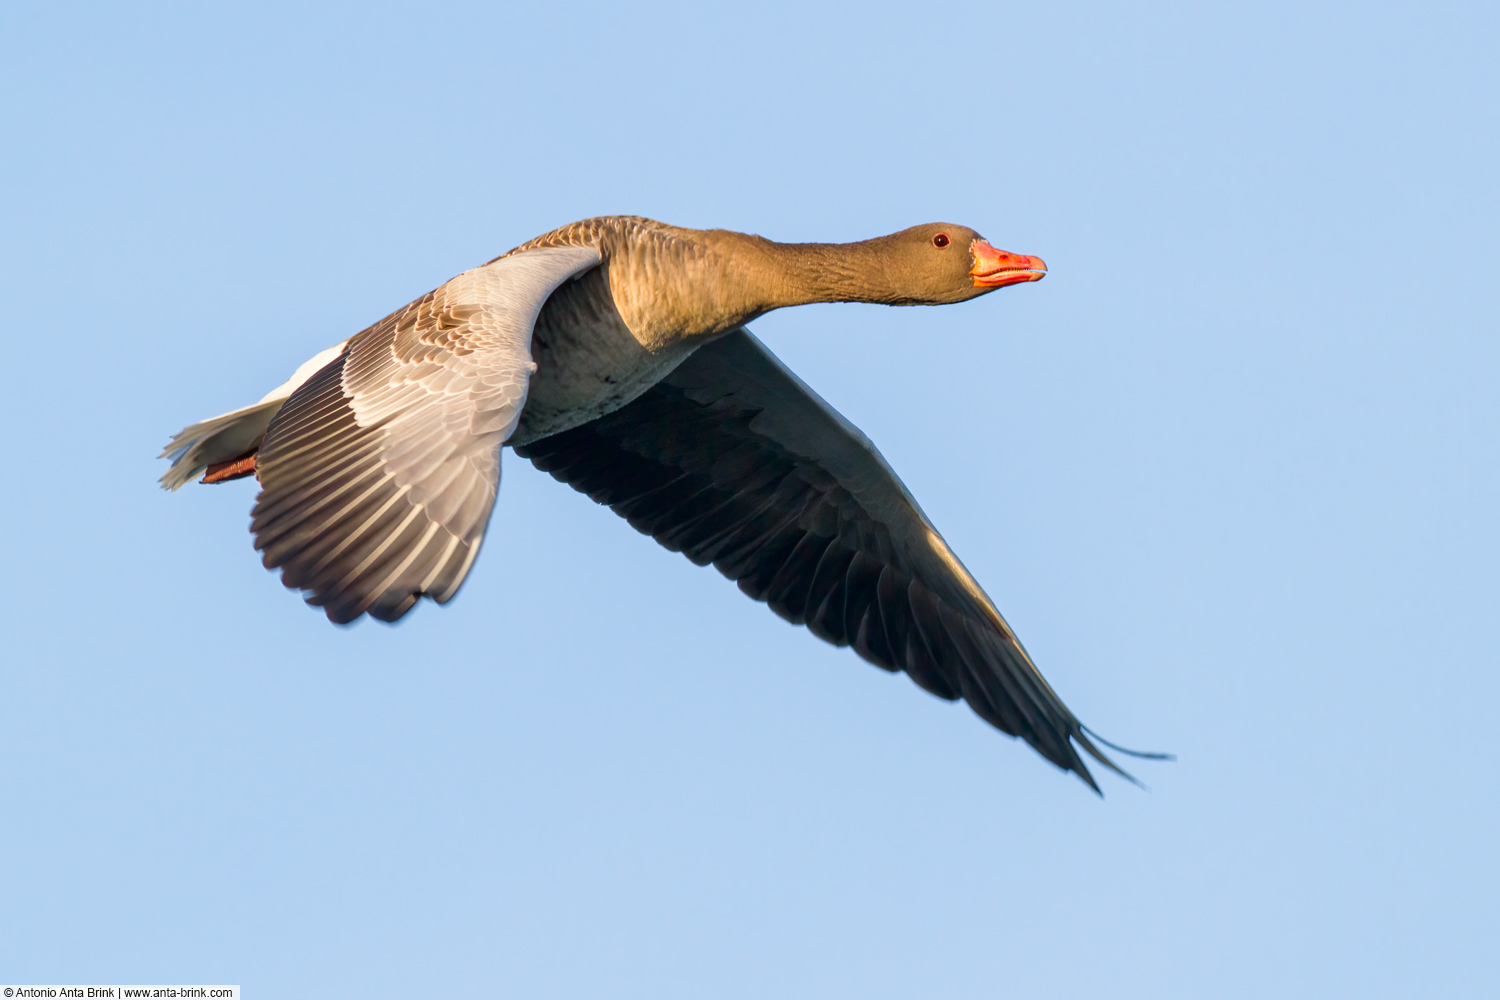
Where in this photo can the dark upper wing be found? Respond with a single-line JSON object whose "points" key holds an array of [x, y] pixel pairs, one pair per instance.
{"points": [[379, 473], [732, 460]]}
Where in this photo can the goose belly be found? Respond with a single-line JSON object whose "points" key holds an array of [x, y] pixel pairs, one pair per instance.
{"points": [[589, 363]]}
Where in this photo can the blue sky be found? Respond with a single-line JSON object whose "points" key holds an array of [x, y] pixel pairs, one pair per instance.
{"points": [[1230, 471]]}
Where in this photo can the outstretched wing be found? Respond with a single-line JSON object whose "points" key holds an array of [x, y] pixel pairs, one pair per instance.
{"points": [[733, 460], [379, 474]]}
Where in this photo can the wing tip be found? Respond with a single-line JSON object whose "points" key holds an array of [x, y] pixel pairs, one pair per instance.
{"points": [[1082, 737]]}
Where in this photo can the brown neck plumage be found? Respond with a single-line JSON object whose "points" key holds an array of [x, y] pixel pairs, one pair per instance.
{"points": [[774, 275]]}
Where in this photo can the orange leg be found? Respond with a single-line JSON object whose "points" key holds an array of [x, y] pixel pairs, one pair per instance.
{"points": [[223, 472]]}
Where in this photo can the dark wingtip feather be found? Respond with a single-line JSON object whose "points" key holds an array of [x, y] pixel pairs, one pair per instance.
{"points": [[1082, 737], [1086, 776], [1141, 754]]}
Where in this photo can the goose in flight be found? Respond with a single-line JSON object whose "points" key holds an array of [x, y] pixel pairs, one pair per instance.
{"points": [[613, 354]]}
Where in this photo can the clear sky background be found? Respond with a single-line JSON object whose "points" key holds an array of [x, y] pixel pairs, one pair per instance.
{"points": [[1230, 471]]}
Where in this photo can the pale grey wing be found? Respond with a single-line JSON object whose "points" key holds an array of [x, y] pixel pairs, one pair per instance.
{"points": [[379, 474], [732, 460]]}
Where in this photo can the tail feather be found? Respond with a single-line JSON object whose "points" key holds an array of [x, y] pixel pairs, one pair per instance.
{"points": [[237, 433], [217, 439]]}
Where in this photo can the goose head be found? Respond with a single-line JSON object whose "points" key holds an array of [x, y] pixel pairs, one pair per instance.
{"points": [[940, 262]]}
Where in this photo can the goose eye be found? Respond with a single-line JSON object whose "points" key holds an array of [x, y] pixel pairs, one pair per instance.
{"points": [[940, 240]]}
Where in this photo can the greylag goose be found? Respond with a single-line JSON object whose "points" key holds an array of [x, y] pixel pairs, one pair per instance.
{"points": [[613, 354]]}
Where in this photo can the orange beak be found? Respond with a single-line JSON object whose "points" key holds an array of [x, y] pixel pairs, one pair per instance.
{"points": [[996, 268]]}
